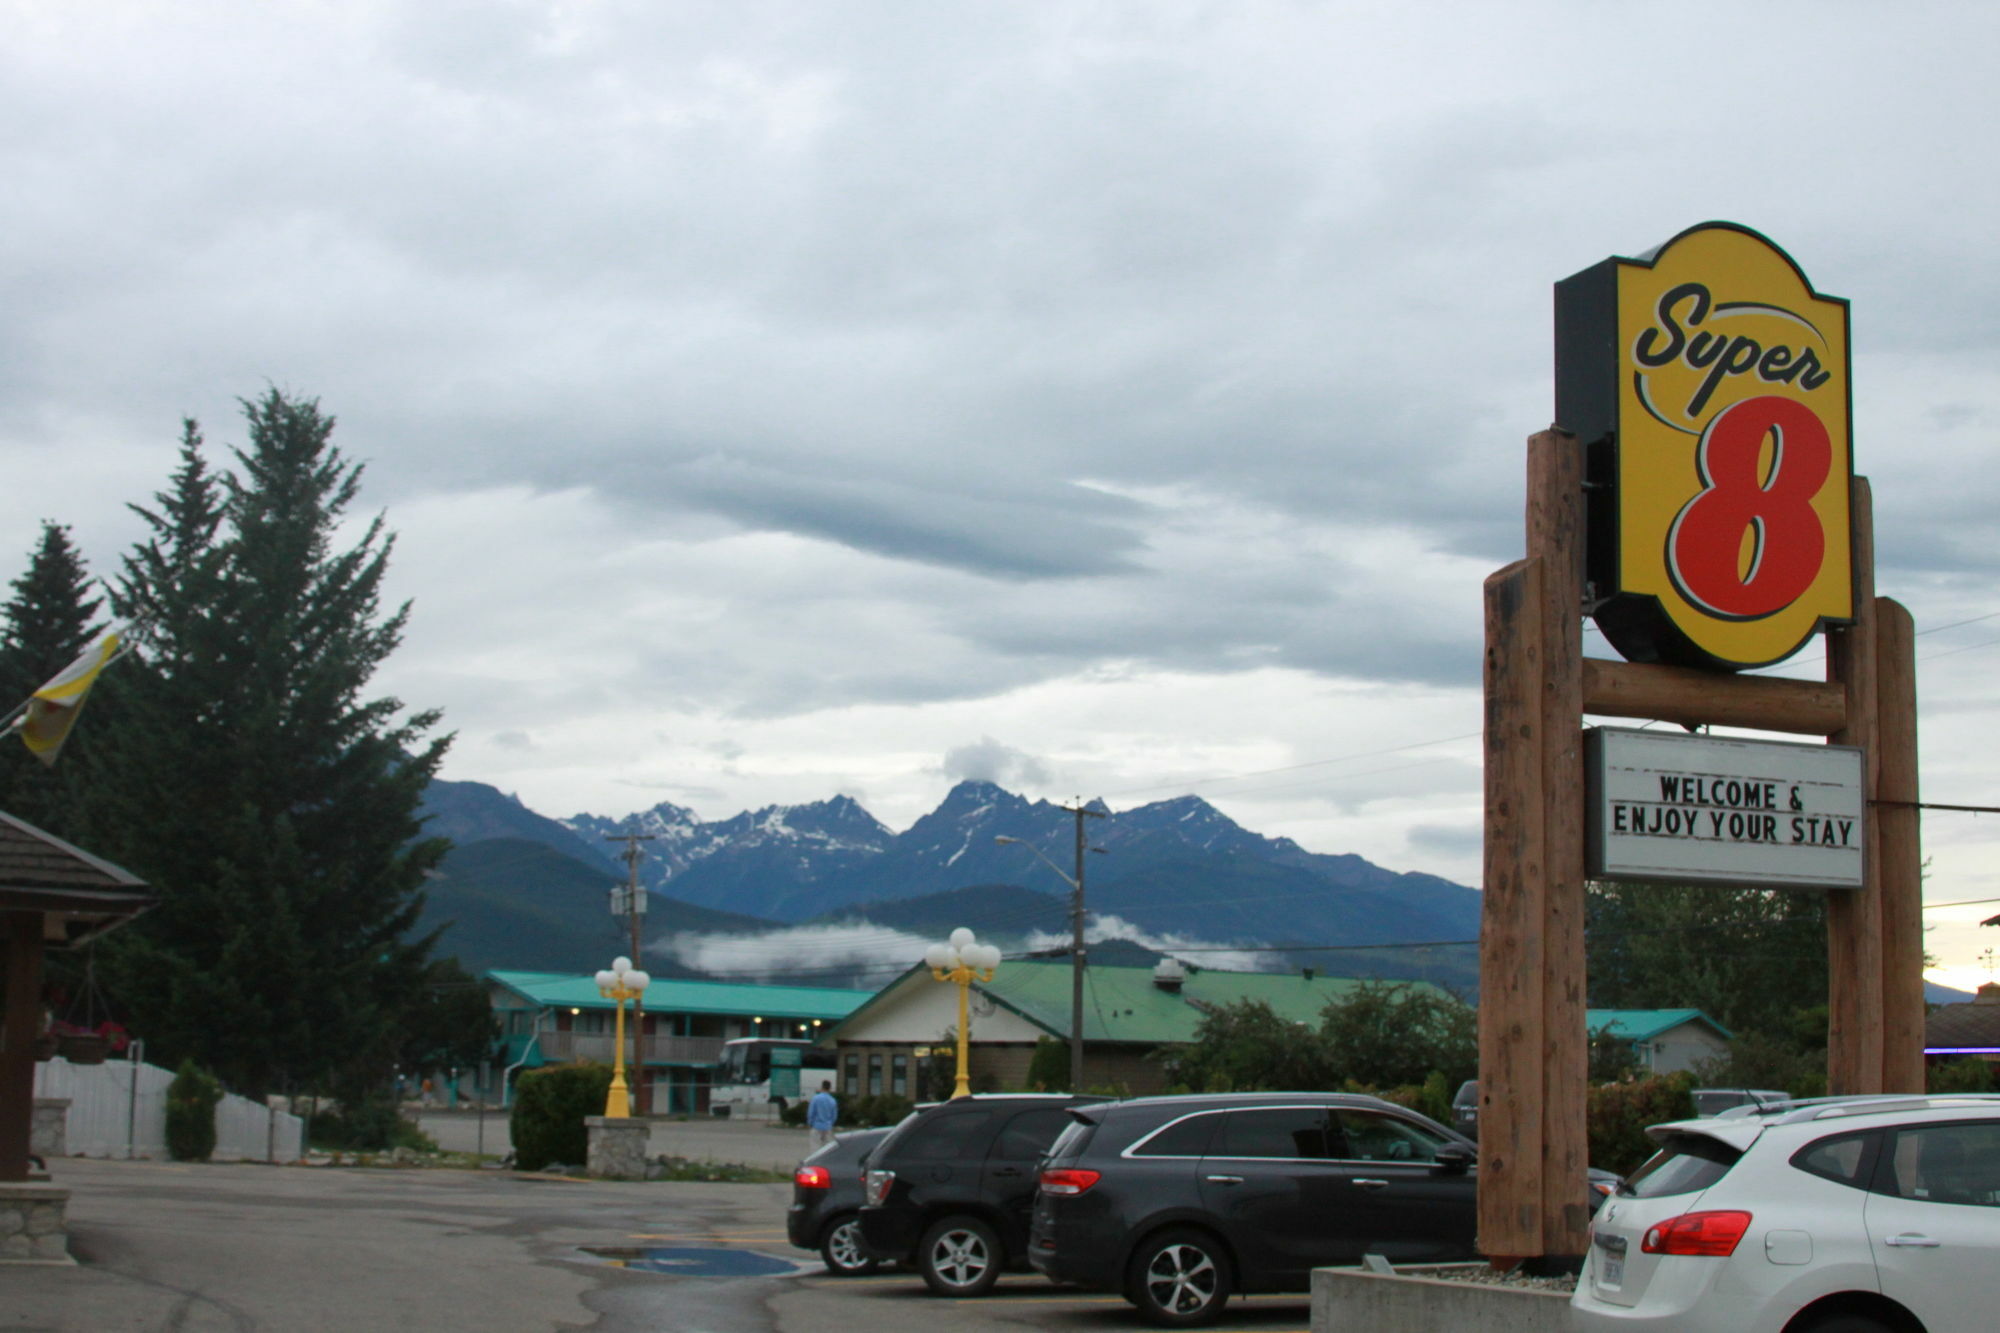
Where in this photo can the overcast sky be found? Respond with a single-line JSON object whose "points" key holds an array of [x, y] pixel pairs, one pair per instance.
{"points": [[783, 400]]}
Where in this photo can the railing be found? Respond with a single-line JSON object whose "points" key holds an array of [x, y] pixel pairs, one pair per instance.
{"points": [[557, 1047]]}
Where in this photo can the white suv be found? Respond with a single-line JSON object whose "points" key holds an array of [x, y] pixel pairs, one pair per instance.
{"points": [[1837, 1215]]}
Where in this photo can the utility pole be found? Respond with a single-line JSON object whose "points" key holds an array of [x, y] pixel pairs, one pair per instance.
{"points": [[635, 908], [1081, 811], [1075, 882]]}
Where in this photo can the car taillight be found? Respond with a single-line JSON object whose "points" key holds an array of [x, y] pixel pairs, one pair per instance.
{"points": [[813, 1178], [1713, 1234], [1067, 1180], [878, 1186]]}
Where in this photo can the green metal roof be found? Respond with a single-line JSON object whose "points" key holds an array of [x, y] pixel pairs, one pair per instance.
{"points": [[1124, 1004], [672, 996], [1646, 1024]]}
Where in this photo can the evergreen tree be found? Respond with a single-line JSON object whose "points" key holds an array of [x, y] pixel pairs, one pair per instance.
{"points": [[48, 622], [253, 782], [1754, 960]]}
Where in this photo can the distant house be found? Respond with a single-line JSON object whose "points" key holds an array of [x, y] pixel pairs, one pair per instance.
{"points": [[553, 1018], [1954, 1031], [1128, 1014], [1663, 1041]]}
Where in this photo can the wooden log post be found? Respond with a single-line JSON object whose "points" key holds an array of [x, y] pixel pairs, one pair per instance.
{"points": [[1854, 917], [1533, 1045], [1555, 537], [21, 939], [1898, 836], [1510, 931]]}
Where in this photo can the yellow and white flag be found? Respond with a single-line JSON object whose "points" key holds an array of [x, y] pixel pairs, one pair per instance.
{"points": [[53, 709]]}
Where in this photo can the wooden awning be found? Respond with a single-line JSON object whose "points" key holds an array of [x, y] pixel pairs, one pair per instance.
{"points": [[80, 896]]}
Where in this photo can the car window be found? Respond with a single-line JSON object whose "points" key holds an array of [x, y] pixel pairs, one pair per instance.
{"points": [[1029, 1134], [1685, 1163], [1278, 1132], [1073, 1138], [1952, 1163], [1374, 1137], [1183, 1138], [953, 1135], [1847, 1159]]}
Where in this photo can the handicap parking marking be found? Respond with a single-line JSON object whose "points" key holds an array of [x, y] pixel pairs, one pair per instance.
{"points": [[692, 1260]]}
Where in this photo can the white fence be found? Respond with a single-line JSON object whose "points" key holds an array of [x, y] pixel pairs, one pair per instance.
{"points": [[119, 1109]]}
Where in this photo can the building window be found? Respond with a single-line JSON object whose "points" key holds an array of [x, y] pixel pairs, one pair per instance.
{"points": [[875, 1075], [851, 1077], [899, 1075]]}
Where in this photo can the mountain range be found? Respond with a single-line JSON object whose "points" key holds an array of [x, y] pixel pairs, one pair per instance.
{"points": [[522, 890]]}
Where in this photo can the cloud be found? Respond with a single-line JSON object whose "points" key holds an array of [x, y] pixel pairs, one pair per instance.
{"points": [[832, 955], [1189, 948], [770, 398], [987, 760]]}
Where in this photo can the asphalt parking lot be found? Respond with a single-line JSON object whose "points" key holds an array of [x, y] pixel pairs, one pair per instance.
{"points": [[248, 1247]]}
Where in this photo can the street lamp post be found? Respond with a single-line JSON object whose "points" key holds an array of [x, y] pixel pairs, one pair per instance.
{"points": [[620, 983], [1076, 955], [962, 961]]}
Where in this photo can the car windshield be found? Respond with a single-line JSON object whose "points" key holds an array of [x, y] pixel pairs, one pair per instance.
{"points": [[1685, 1164]]}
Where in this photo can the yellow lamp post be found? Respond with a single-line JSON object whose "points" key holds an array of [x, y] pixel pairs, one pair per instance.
{"points": [[962, 960], [621, 983]]}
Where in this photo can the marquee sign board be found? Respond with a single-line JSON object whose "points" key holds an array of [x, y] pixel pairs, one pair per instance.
{"points": [[1709, 383], [1697, 809]]}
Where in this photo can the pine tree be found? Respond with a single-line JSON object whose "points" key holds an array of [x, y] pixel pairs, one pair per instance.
{"points": [[50, 619], [253, 782]]}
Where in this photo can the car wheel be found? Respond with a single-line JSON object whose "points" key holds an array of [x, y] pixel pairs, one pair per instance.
{"points": [[960, 1256], [1179, 1279], [841, 1250]]}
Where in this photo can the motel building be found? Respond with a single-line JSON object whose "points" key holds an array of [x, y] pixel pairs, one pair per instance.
{"points": [[552, 1018]]}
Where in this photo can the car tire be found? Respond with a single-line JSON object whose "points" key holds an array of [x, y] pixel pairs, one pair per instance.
{"points": [[1850, 1323], [1179, 1278], [960, 1256], [842, 1250]]}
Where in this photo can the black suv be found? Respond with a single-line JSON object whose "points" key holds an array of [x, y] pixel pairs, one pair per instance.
{"points": [[949, 1190], [1175, 1202], [826, 1196]]}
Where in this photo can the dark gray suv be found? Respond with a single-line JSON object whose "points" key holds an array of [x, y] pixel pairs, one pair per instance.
{"points": [[1175, 1202], [948, 1191]]}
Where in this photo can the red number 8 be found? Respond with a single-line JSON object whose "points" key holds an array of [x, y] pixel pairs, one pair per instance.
{"points": [[1705, 544]]}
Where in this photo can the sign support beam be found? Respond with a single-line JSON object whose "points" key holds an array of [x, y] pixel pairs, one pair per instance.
{"points": [[1534, 1051]]}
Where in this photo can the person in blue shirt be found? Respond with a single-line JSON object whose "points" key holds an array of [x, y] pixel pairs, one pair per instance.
{"points": [[822, 1113]]}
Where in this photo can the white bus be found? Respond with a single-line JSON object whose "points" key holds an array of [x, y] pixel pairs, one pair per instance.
{"points": [[760, 1076]]}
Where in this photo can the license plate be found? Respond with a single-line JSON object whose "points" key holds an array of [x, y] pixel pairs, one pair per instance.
{"points": [[1611, 1257]]}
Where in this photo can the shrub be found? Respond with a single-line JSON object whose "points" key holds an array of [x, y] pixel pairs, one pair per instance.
{"points": [[1756, 1060], [1970, 1075], [373, 1124], [1431, 1097], [1620, 1112], [868, 1112], [1048, 1070], [550, 1105], [191, 1101]]}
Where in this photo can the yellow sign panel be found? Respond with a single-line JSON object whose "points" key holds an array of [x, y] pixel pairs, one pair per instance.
{"points": [[1711, 384]]}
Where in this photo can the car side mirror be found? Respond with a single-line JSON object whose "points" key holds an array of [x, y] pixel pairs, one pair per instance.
{"points": [[1454, 1158]]}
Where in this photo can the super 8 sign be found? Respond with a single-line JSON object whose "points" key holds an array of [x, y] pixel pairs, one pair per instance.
{"points": [[1709, 383]]}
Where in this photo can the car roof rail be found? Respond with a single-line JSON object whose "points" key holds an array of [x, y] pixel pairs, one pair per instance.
{"points": [[1825, 1108]]}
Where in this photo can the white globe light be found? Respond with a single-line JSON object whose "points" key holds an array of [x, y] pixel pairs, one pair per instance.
{"points": [[606, 980], [940, 957], [985, 957], [637, 980], [621, 965], [960, 938]]}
